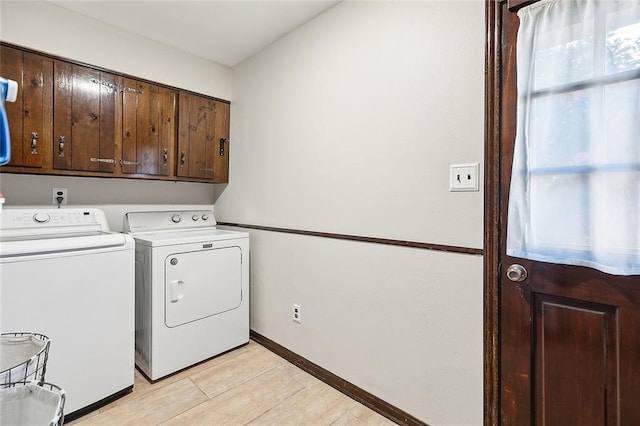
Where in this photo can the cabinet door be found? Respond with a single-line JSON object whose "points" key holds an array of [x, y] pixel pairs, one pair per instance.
{"points": [[84, 119], [221, 155], [197, 120], [203, 136], [148, 128], [31, 114]]}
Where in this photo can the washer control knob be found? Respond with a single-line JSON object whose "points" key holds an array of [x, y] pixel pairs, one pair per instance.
{"points": [[195, 217], [176, 218], [205, 217], [41, 218]]}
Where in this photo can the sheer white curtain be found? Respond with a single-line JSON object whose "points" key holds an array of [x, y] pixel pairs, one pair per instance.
{"points": [[575, 186]]}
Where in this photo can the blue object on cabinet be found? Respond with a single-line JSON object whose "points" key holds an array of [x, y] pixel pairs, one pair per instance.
{"points": [[8, 92]]}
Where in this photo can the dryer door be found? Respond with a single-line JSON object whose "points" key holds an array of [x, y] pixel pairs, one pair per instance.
{"points": [[201, 284]]}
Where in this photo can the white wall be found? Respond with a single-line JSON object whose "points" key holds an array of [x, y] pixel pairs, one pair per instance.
{"points": [[348, 125], [114, 196], [52, 29]]}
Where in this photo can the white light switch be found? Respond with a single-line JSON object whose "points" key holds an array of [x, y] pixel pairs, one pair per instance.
{"points": [[463, 177]]}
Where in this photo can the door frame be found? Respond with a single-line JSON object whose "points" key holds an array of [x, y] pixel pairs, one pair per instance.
{"points": [[492, 247], [492, 242]]}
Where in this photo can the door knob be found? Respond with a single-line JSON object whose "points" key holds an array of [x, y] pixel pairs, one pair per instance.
{"points": [[517, 273]]}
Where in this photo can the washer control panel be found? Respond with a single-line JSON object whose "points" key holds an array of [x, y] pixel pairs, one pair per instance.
{"points": [[27, 218]]}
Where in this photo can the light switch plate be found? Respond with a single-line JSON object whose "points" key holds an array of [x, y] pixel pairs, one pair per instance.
{"points": [[463, 177]]}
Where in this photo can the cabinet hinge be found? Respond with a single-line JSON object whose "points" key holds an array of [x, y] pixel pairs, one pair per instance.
{"points": [[222, 142]]}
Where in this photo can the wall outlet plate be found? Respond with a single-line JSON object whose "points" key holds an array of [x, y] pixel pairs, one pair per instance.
{"points": [[464, 177], [296, 314], [58, 192]]}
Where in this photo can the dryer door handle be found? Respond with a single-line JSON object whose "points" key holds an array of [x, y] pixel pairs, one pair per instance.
{"points": [[177, 290]]}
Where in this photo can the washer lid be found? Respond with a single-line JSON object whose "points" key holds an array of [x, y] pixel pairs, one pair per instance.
{"points": [[57, 245], [173, 237]]}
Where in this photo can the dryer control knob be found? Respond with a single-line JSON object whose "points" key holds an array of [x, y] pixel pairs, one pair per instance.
{"points": [[176, 218], [205, 217], [195, 217], [41, 218]]}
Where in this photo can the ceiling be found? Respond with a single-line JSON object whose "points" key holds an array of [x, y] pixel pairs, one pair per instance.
{"points": [[224, 31]]}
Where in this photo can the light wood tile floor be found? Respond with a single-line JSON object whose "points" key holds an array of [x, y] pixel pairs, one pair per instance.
{"points": [[250, 385]]}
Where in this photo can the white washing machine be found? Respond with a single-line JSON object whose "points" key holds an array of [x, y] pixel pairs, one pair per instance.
{"points": [[64, 275], [192, 289]]}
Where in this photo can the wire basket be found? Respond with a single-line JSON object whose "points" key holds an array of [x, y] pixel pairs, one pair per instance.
{"points": [[23, 358], [34, 403]]}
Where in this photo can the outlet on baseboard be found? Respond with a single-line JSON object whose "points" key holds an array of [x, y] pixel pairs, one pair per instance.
{"points": [[297, 314]]}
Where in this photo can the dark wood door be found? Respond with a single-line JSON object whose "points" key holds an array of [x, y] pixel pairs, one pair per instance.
{"points": [[84, 118], [30, 115], [569, 337], [148, 128]]}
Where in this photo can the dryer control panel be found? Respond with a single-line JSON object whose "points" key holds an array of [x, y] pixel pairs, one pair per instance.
{"points": [[168, 220]]}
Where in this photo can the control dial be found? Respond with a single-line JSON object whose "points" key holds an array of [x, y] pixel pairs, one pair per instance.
{"points": [[176, 218], [205, 217], [195, 217], [41, 218]]}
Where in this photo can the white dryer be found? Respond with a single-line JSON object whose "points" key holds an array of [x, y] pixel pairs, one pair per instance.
{"points": [[192, 289]]}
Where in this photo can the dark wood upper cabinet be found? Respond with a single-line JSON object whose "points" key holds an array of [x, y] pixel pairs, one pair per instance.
{"points": [[31, 114], [84, 119], [203, 122], [148, 128], [75, 119]]}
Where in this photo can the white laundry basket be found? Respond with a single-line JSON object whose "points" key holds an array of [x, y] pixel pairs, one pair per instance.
{"points": [[23, 357], [37, 404], [25, 399]]}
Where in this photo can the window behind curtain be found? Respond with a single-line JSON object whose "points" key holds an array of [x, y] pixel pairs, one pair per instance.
{"points": [[575, 188]]}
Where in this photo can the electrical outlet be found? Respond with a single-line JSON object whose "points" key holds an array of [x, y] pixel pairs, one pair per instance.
{"points": [[297, 314], [463, 177], [59, 196]]}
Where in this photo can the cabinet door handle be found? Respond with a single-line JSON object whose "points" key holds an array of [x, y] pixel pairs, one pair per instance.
{"points": [[165, 155], [132, 89], [103, 160], [222, 141], [61, 146], [207, 170], [106, 84], [129, 163], [34, 143], [183, 158]]}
